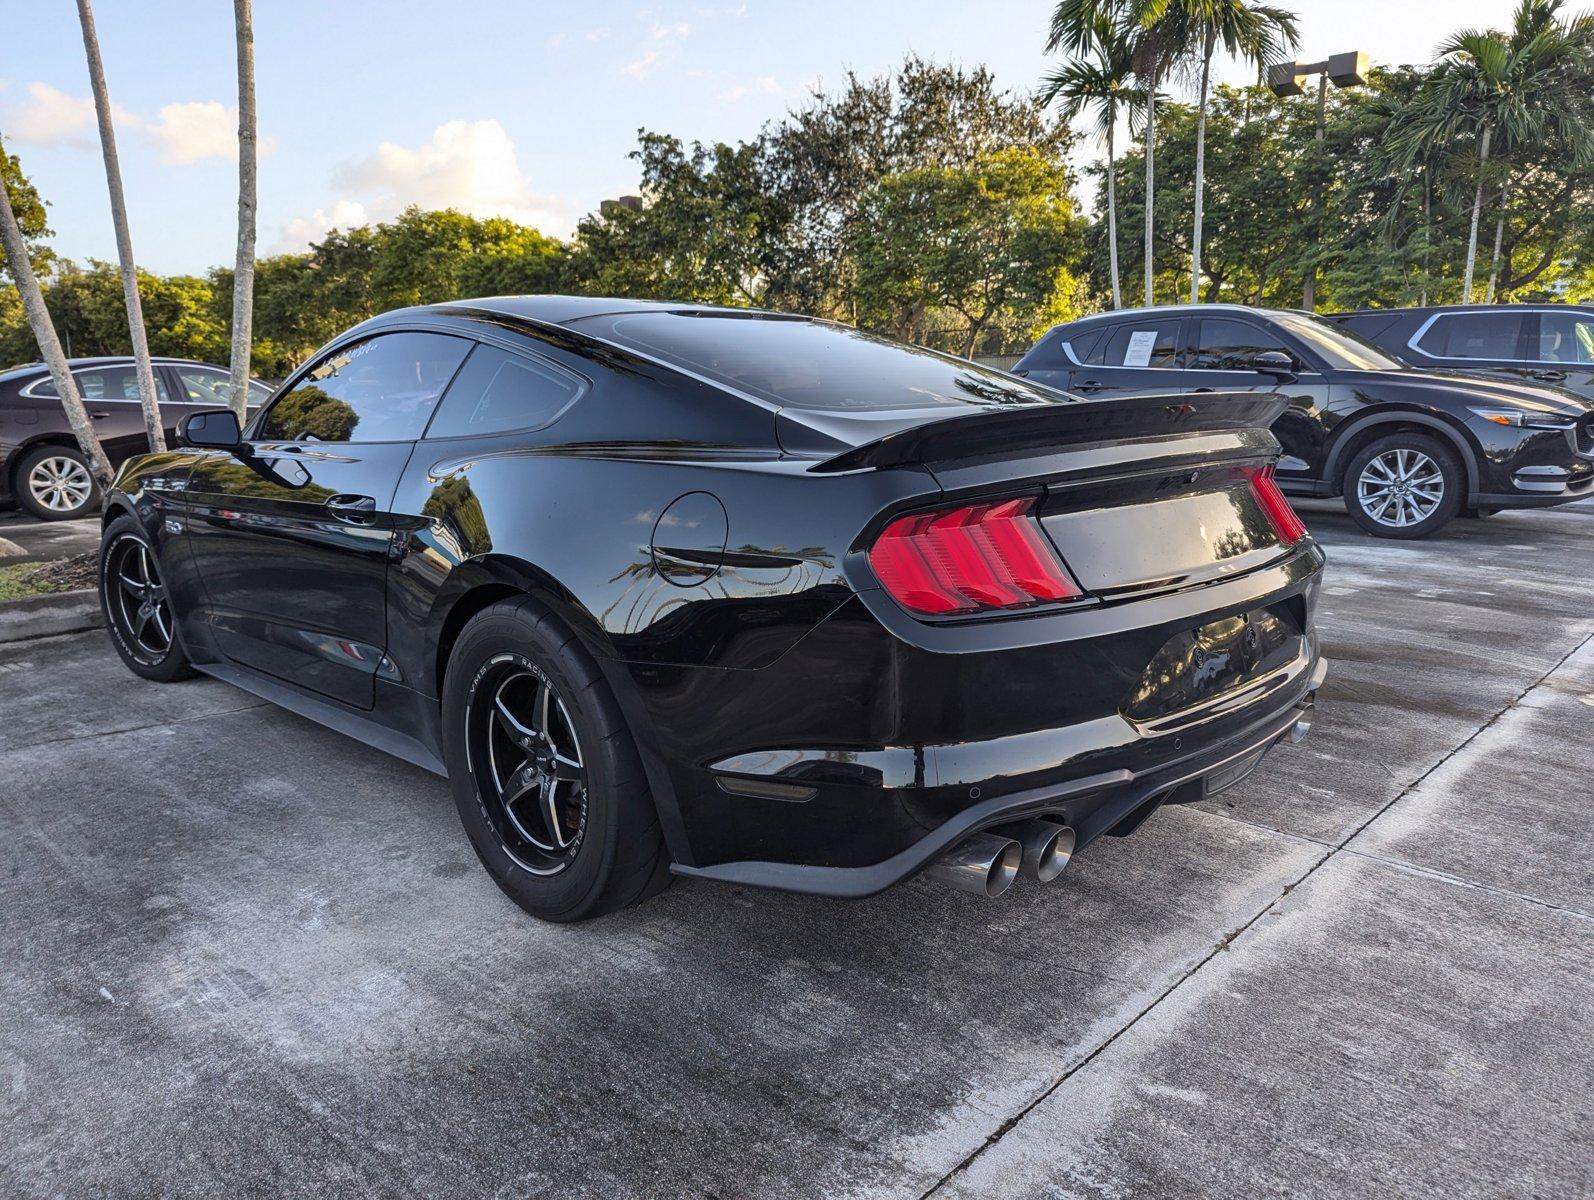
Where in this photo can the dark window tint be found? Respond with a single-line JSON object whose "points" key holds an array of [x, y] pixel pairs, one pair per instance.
{"points": [[1474, 335], [105, 383], [807, 364], [1144, 343], [1048, 353], [381, 389], [496, 391], [1223, 345], [1565, 338], [1085, 342]]}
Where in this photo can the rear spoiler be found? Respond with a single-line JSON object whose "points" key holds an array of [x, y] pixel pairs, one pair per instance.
{"points": [[1043, 426]]}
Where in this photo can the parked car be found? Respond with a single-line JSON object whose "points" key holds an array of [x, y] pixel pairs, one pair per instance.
{"points": [[1541, 344], [41, 467], [749, 597], [1407, 449]]}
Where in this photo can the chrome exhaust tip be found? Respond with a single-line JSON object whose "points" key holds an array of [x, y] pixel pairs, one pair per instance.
{"points": [[1047, 847], [984, 865], [1303, 724]]}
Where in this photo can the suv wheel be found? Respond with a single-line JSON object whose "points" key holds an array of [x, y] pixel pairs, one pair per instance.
{"points": [[1405, 485], [54, 483]]}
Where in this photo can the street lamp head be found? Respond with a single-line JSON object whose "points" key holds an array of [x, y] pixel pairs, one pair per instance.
{"points": [[1286, 79], [1343, 70], [1348, 70]]}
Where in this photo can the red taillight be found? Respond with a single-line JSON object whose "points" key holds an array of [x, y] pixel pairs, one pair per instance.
{"points": [[1285, 523], [964, 559]]}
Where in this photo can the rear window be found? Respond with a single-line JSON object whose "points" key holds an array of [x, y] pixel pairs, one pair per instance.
{"points": [[1139, 343], [1474, 335], [796, 363]]}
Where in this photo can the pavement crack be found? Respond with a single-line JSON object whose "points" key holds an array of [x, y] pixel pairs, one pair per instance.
{"points": [[1411, 868], [1223, 944], [105, 733]]}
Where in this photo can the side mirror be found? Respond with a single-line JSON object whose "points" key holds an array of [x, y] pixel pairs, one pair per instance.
{"points": [[1275, 363], [213, 430]]}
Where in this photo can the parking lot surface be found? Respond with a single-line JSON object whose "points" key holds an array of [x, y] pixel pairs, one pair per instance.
{"points": [[24, 538], [243, 953]]}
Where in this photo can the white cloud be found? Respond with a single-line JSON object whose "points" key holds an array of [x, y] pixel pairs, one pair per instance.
{"points": [[468, 165], [664, 33], [184, 133], [50, 117], [638, 67], [766, 84]]}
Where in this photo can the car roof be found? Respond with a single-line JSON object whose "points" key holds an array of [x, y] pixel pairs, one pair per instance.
{"points": [[103, 360], [1180, 310], [1429, 309]]}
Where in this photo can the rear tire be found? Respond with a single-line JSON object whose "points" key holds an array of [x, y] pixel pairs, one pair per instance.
{"points": [[1405, 485], [545, 774], [54, 483]]}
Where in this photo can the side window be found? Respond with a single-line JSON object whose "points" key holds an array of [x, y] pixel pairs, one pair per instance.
{"points": [[1223, 345], [259, 393], [1474, 335], [204, 385], [381, 389], [1086, 342], [1565, 338], [105, 383], [1138, 344], [497, 391]]}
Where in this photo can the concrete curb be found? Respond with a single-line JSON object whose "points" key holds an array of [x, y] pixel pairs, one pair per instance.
{"points": [[45, 616]]}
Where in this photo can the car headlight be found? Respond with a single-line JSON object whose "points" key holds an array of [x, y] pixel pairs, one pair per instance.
{"points": [[1524, 418]]}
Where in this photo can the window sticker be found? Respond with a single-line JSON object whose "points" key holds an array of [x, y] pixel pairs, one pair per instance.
{"points": [[1141, 343]]}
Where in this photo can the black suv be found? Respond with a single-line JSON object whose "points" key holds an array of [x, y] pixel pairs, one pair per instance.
{"points": [[1407, 449], [1547, 343], [40, 465]]}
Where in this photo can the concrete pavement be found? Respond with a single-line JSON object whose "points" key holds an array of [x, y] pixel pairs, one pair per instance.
{"points": [[242, 952]]}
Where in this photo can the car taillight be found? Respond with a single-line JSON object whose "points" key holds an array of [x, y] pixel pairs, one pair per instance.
{"points": [[980, 556], [1285, 523]]}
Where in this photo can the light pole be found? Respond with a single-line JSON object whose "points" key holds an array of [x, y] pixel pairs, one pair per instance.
{"points": [[1289, 79]]}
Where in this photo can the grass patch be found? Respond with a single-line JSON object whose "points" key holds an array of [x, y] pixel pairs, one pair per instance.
{"points": [[15, 583]]}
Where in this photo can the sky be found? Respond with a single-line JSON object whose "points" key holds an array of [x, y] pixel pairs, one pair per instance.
{"points": [[526, 110]]}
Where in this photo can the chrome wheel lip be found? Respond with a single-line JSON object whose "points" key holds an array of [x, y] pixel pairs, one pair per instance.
{"points": [[136, 604], [60, 483], [527, 769], [1400, 488]]}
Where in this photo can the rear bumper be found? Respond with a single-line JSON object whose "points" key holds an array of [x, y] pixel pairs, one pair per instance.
{"points": [[1114, 801]]}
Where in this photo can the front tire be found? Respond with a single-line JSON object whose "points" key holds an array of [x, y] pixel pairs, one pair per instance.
{"points": [[54, 483], [1405, 485], [544, 771], [138, 612]]}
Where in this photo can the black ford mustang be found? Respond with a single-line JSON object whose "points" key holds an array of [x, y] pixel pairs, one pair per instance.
{"points": [[732, 594]]}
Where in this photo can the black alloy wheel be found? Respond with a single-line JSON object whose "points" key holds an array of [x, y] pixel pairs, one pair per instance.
{"points": [[546, 776], [137, 608], [526, 759]]}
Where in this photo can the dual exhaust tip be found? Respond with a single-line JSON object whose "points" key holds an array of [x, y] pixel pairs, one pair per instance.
{"points": [[987, 864]]}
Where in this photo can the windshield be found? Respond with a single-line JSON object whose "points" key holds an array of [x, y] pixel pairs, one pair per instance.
{"points": [[1340, 348], [797, 363]]}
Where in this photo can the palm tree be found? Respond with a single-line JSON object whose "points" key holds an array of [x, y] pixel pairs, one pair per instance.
{"points": [[1152, 41], [143, 371], [1104, 83], [1528, 87], [243, 276], [49, 344], [1255, 33]]}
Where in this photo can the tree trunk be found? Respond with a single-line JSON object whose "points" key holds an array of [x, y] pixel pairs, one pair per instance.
{"points": [[1200, 169], [1112, 217], [1151, 178], [974, 336], [49, 345], [1427, 234], [143, 371], [1477, 210], [243, 276], [1499, 236]]}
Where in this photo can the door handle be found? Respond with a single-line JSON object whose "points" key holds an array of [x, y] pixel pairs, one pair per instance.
{"points": [[99, 416], [1550, 376], [1198, 390], [356, 510], [1090, 385]]}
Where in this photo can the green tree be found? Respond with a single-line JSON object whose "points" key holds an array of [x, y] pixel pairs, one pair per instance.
{"points": [[1528, 87], [982, 241], [1105, 82]]}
